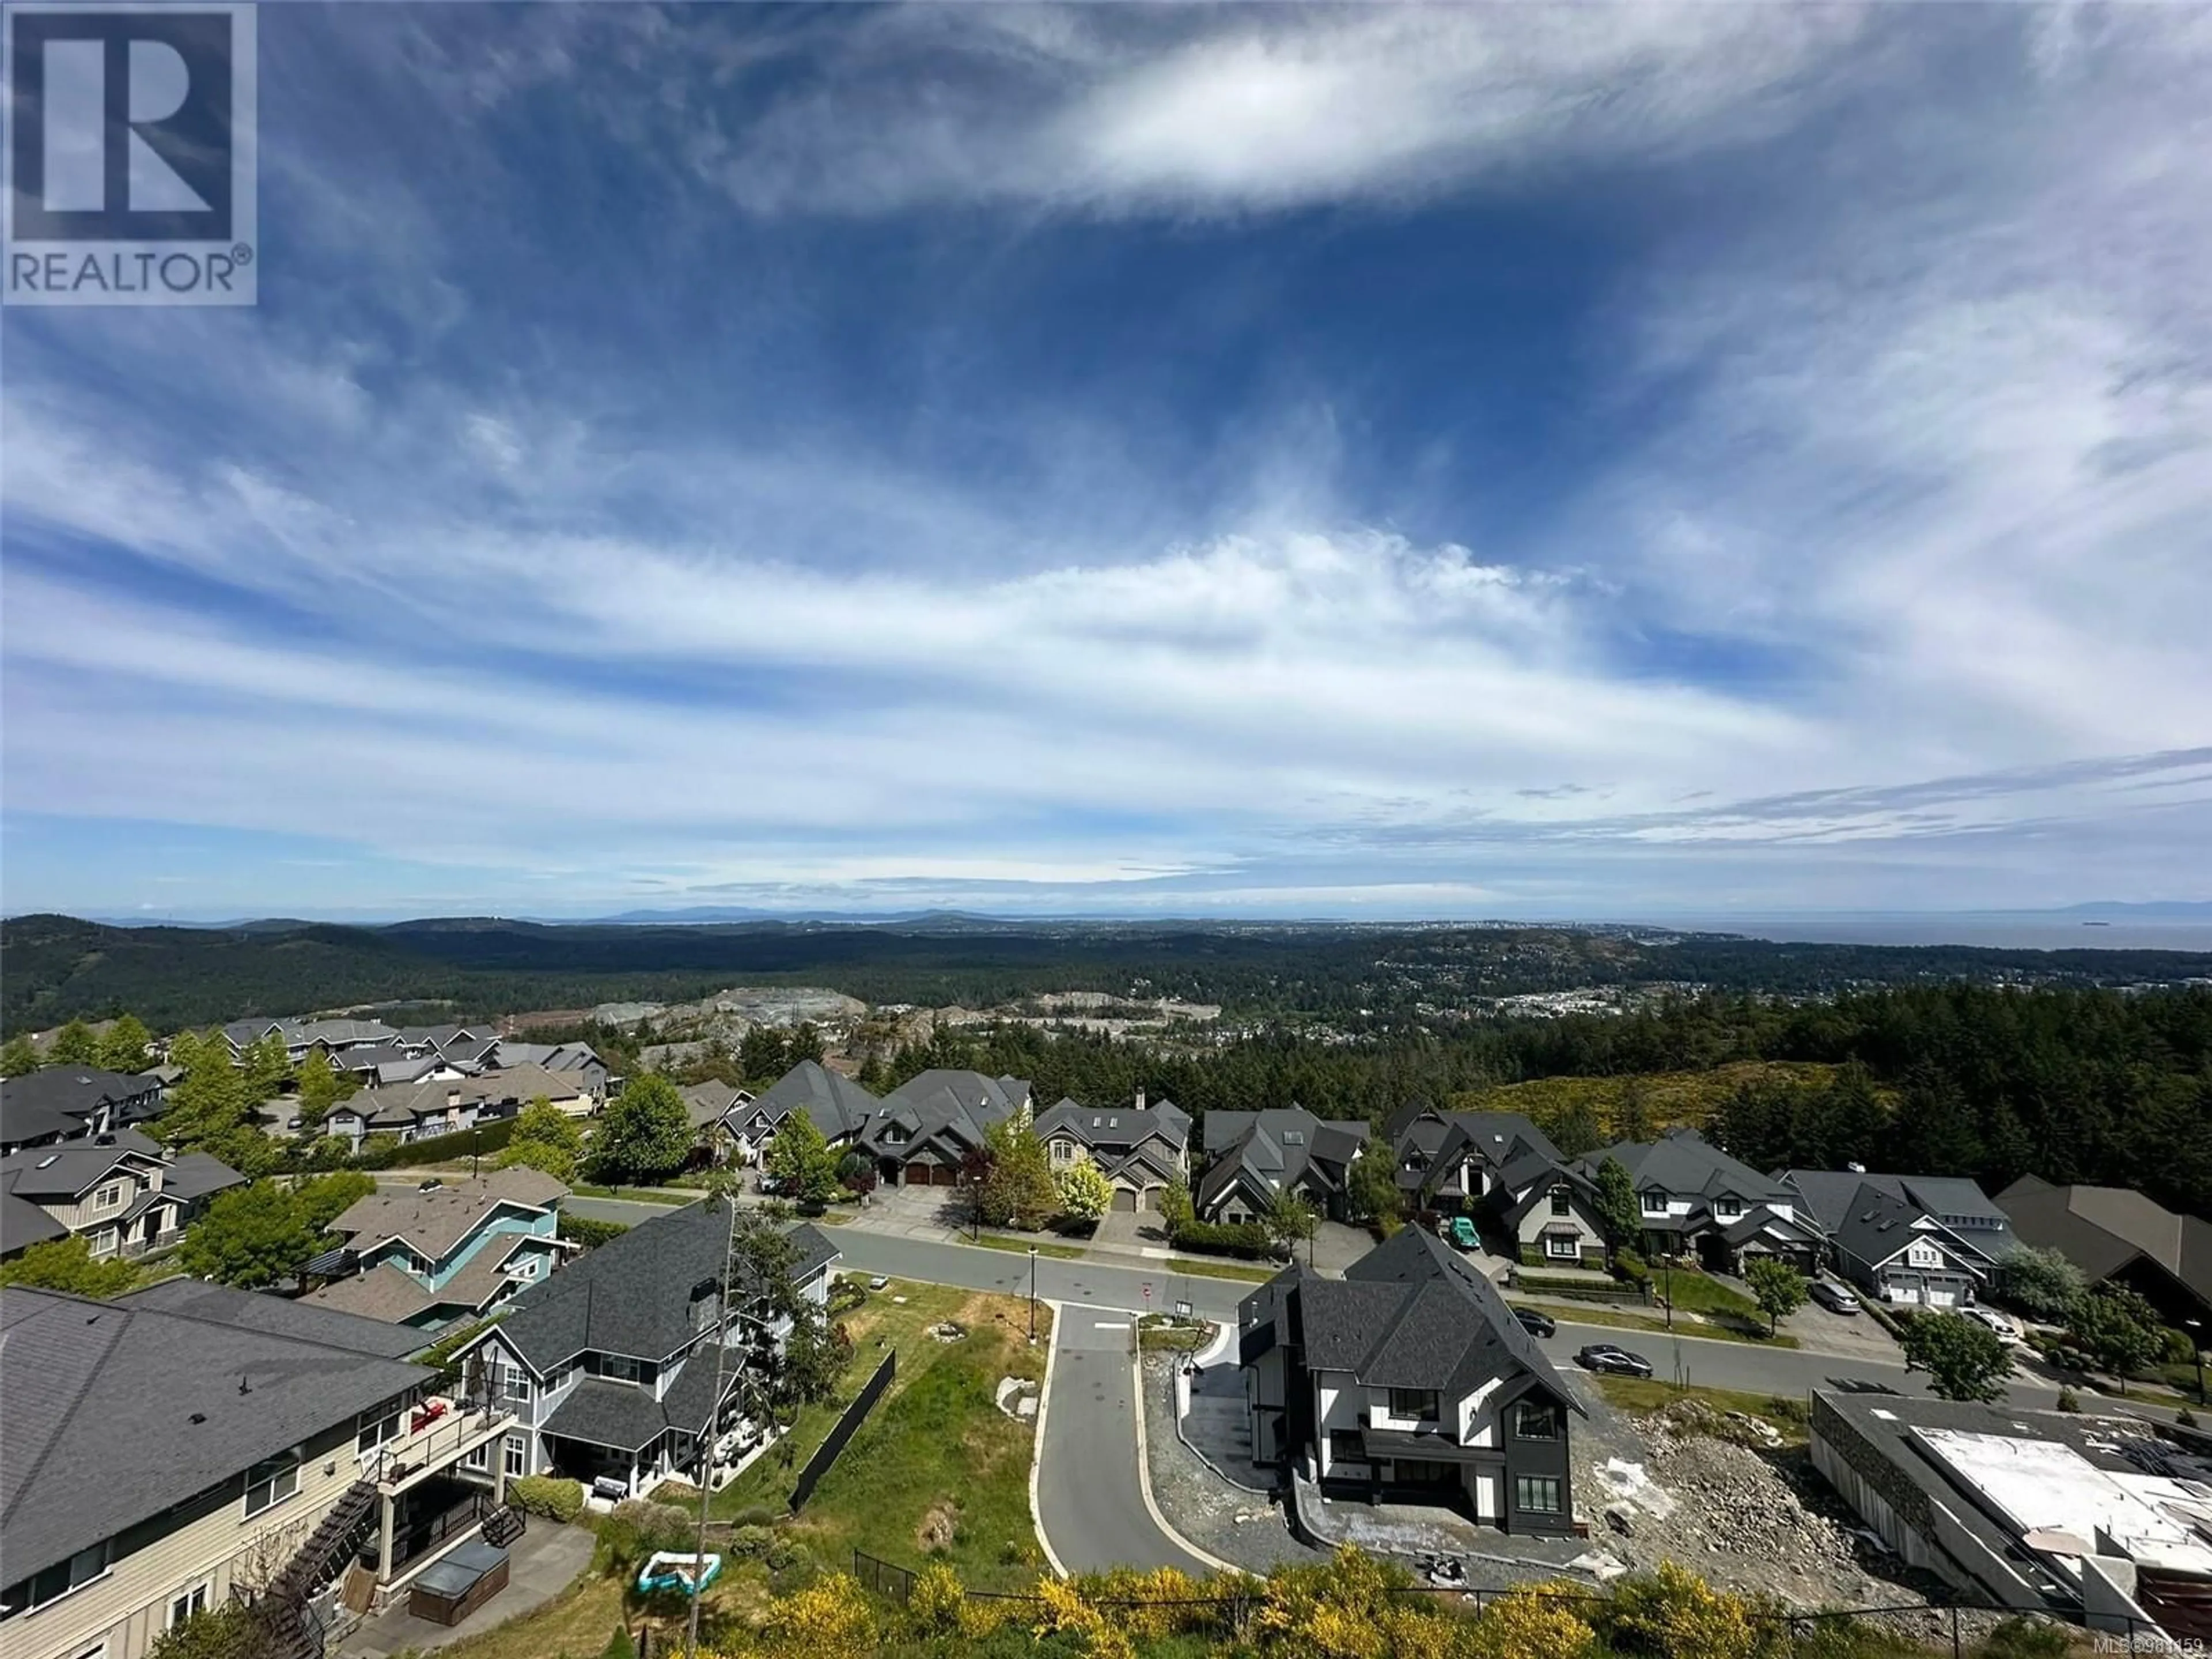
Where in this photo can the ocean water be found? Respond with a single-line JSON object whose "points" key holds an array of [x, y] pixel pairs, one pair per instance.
{"points": [[2044, 931]]}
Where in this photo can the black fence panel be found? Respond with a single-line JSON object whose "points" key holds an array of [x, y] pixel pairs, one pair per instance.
{"points": [[887, 1578], [847, 1426]]}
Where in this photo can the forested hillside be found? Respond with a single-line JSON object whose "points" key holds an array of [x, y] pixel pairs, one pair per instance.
{"points": [[53, 967]]}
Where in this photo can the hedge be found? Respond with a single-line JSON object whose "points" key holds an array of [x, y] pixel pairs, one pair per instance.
{"points": [[549, 1495], [485, 1137], [1248, 1239], [582, 1229]]}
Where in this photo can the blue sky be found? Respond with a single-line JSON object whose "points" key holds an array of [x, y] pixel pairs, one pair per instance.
{"points": [[1571, 461]]}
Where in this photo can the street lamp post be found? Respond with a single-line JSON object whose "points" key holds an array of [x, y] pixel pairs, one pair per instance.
{"points": [[475, 1142], [1033, 1295], [2196, 1345]]}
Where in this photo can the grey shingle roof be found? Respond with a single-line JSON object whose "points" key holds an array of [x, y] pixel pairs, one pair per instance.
{"points": [[1277, 1149], [23, 1224], [2102, 1228], [436, 1221], [602, 1413], [194, 1176], [840, 1107], [634, 1295], [67, 1168], [59, 1099], [274, 1315], [118, 1410], [1687, 1165]]}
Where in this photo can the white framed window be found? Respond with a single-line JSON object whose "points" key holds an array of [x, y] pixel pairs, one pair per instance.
{"points": [[188, 1604], [1728, 1209], [371, 1434], [1562, 1202], [1538, 1494], [97, 1650], [57, 1581], [270, 1483], [1655, 1201], [517, 1456], [1563, 1244], [515, 1386], [620, 1368], [110, 1196], [478, 1458], [1063, 1150]]}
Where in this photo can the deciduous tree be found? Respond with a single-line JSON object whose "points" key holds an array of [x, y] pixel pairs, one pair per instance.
{"points": [[319, 1090], [1019, 1191], [75, 1044], [1777, 1287], [1964, 1359], [18, 1057], [1370, 1189], [1291, 1221], [123, 1046], [2041, 1283], [67, 1264], [2118, 1329], [1619, 1216], [1085, 1192], [545, 1137], [643, 1134], [803, 1160], [251, 1237]]}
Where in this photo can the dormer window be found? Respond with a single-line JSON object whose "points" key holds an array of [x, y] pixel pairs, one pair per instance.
{"points": [[1727, 1207], [1562, 1199], [1655, 1201]]}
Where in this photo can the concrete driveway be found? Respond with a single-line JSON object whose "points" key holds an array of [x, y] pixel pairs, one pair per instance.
{"points": [[1090, 1498], [1849, 1336]]}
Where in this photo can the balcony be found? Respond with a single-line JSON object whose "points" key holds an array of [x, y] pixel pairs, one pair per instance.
{"points": [[440, 1432]]}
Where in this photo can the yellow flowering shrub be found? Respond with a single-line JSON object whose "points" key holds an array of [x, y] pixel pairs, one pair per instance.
{"points": [[1536, 1622], [1675, 1614]]}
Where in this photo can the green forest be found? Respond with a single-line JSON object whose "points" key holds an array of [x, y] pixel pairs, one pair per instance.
{"points": [[55, 967]]}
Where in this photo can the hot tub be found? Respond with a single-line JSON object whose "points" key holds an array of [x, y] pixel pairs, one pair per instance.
{"points": [[449, 1590]]}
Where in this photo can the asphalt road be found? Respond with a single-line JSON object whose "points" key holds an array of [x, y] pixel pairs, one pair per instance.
{"points": [[1091, 1505], [1703, 1361]]}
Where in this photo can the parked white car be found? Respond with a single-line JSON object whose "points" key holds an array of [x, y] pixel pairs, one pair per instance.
{"points": [[1996, 1321]]}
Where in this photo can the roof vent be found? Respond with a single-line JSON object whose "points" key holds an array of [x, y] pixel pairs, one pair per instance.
{"points": [[51, 1157], [196, 1417], [244, 1386]]}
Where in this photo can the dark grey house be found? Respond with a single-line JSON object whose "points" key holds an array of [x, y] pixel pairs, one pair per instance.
{"points": [[1697, 1200], [1409, 1379], [1253, 1157], [1919, 1240], [60, 1103], [923, 1131], [1141, 1150], [840, 1107]]}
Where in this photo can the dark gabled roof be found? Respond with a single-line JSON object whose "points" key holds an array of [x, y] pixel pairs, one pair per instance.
{"points": [[1829, 1194], [58, 1099], [1410, 1313], [65, 1168], [2102, 1228], [118, 1410], [634, 1295], [602, 1413], [953, 1110], [194, 1176], [23, 1224], [840, 1107], [1685, 1163], [275, 1315], [1276, 1150], [1116, 1126]]}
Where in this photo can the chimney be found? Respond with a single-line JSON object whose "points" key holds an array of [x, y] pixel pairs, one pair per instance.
{"points": [[1141, 1100]]}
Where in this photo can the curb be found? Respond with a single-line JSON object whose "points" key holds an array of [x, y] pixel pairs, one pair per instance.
{"points": [[1144, 1474], [1037, 1446]]}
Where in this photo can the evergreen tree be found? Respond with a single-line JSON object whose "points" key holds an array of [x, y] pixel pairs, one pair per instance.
{"points": [[1371, 1184], [319, 1090], [123, 1046], [1619, 1216], [18, 1057]]}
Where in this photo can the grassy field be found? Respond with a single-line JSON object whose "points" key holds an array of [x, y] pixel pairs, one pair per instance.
{"points": [[938, 1468], [1670, 1097], [1642, 1396], [1589, 1312]]}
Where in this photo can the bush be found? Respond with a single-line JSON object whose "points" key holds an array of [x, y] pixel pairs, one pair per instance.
{"points": [[582, 1229], [1248, 1239], [2069, 1401], [1632, 1267], [381, 1151], [552, 1496], [2185, 1419], [639, 1527], [2179, 1349], [2022, 1637], [1674, 1614], [757, 1514], [752, 1543]]}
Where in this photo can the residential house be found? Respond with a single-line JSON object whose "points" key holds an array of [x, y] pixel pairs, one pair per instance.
{"points": [[592, 1080], [1252, 1158], [1410, 1380], [2117, 1236], [840, 1108], [610, 1366], [1141, 1150], [476, 1046], [1501, 1166], [125, 1193], [924, 1130], [422, 1111], [332, 1036], [433, 1259], [163, 1449], [1920, 1241], [706, 1104], [62, 1102], [1695, 1200]]}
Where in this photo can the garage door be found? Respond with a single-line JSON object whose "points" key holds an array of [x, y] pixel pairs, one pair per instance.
{"points": [[1940, 1296], [1125, 1198], [917, 1174], [944, 1175], [1149, 1199]]}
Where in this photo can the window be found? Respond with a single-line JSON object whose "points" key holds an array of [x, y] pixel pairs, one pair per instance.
{"points": [[1565, 1246], [110, 1196], [1728, 1209], [478, 1458], [515, 1386], [1538, 1494], [518, 1455], [373, 1434], [1345, 1446], [1063, 1150], [1562, 1199], [57, 1581], [270, 1483], [619, 1368], [1416, 1403], [1536, 1420], [188, 1604], [1655, 1201]]}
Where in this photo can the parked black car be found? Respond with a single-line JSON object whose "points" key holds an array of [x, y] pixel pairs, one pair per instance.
{"points": [[1535, 1323], [1604, 1356]]}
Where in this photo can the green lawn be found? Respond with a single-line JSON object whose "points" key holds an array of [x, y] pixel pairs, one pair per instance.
{"points": [[1587, 1313], [1023, 1246], [637, 1194], [936, 1456], [1251, 1272]]}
